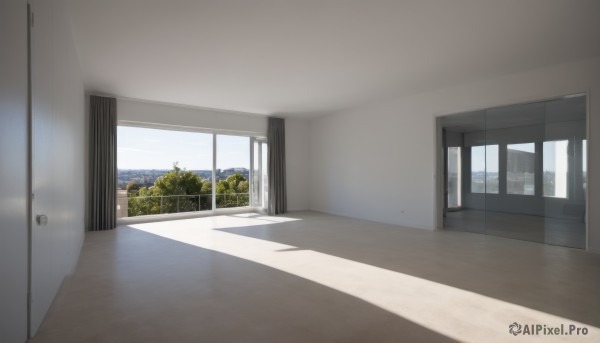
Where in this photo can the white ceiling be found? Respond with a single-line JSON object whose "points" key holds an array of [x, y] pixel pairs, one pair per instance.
{"points": [[310, 56]]}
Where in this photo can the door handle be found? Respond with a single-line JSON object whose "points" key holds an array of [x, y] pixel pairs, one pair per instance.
{"points": [[41, 219]]}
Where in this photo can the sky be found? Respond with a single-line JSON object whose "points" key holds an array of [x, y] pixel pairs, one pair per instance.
{"points": [[141, 148]]}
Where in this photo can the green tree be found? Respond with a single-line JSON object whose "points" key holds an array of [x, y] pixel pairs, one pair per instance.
{"points": [[132, 186], [178, 190], [233, 191]]}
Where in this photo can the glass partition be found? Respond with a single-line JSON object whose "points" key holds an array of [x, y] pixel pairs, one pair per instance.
{"points": [[524, 171]]}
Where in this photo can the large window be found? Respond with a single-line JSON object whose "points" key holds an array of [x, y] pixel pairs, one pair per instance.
{"points": [[168, 171], [556, 166], [163, 171], [484, 169], [520, 169]]}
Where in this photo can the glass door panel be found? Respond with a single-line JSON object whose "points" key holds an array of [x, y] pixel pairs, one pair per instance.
{"points": [[232, 171], [563, 196], [524, 171], [259, 176], [256, 173]]}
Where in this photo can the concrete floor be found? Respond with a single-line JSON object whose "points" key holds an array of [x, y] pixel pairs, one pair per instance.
{"points": [[311, 277]]}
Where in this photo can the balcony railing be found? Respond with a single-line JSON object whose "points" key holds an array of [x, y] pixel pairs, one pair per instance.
{"points": [[233, 200], [131, 206]]}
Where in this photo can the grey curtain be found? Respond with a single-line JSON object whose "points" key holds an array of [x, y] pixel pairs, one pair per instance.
{"points": [[103, 163], [276, 166]]}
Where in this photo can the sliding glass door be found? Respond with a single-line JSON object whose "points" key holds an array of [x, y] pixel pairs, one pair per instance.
{"points": [[163, 171]]}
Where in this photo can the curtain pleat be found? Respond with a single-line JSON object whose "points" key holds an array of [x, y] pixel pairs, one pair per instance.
{"points": [[276, 166], [103, 160]]}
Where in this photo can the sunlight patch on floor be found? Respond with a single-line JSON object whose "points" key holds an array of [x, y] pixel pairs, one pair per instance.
{"points": [[456, 313]]}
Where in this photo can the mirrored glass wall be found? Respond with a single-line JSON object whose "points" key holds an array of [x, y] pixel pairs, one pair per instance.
{"points": [[518, 171]]}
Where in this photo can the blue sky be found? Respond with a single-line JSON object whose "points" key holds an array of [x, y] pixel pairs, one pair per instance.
{"points": [[141, 148]]}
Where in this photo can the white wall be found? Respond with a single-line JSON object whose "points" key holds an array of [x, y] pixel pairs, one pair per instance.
{"points": [[152, 113], [141, 112], [378, 162], [13, 171], [296, 151], [58, 154]]}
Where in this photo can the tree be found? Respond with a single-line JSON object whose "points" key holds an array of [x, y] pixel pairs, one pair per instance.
{"points": [[180, 190], [176, 191], [132, 186], [233, 191]]}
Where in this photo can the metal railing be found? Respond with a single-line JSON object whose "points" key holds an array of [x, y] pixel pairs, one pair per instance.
{"points": [[132, 206], [233, 200]]}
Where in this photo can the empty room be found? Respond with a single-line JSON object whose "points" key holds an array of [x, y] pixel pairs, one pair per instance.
{"points": [[299, 171]]}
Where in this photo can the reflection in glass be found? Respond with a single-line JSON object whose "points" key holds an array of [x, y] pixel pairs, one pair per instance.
{"points": [[527, 165], [584, 163], [556, 166], [454, 177], [520, 172], [478, 169], [484, 169]]}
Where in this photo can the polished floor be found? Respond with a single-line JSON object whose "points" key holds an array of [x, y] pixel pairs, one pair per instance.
{"points": [[549, 230], [312, 277]]}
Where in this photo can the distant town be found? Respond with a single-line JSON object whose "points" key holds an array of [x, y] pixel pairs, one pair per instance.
{"points": [[146, 177]]}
